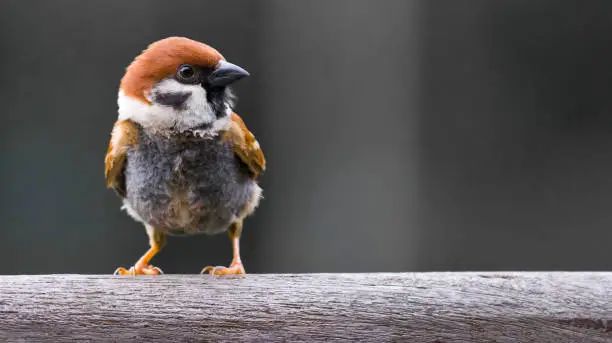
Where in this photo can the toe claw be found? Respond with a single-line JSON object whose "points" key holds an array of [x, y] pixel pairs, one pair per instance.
{"points": [[133, 271], [159, 271], [123, 271], [208, 269], [220, 270]]}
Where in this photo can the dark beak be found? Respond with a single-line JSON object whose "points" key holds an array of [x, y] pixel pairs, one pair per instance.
{"points": [[226, 73]]}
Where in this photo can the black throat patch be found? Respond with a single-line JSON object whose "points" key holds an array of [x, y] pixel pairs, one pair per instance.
{"points": [[217, 98]]}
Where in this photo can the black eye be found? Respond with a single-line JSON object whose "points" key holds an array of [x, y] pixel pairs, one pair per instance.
{"points": [[187, 74]]}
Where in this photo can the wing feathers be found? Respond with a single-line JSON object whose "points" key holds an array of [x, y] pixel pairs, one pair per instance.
{"points": [[246, 146], [124, 135]]}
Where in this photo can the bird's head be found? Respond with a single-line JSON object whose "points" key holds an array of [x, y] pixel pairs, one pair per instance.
{"points": [[179, 84]]}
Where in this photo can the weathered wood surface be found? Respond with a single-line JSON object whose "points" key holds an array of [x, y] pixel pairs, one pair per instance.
{"points": [[407, 307]]}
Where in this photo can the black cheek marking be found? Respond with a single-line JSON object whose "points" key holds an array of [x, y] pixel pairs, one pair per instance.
{"points": [[175, 100]]}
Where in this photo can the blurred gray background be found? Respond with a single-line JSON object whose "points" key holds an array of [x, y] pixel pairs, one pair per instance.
{"points": [[400, 135]]}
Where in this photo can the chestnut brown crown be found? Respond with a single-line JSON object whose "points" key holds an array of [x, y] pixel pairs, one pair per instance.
{"points": [[160, 60]]}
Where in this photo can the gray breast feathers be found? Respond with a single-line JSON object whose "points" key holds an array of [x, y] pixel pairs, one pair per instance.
{"points": [[185, 184]]}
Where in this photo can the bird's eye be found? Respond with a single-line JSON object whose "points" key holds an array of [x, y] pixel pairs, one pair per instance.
{"points": [[187, 74]]}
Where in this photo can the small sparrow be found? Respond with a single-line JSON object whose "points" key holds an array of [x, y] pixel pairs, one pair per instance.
{"points": [[180, 159]]}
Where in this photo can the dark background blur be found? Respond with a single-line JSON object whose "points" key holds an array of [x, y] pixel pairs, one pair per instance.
{"points": [[400, 135]]}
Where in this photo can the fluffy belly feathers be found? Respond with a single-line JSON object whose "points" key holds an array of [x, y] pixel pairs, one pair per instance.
{"points": [[187, 185]]}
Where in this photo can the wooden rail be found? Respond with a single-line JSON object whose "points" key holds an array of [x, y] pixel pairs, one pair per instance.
{"points": [[406, 307]]}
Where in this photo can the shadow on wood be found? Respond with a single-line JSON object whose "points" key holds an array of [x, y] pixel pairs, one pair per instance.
{"points": [[411, 307]]}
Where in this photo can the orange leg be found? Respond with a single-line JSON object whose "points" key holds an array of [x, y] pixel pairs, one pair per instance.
{"points": [[236, 267], [142, 266]]}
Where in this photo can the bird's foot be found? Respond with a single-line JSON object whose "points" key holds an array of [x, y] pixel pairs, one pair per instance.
{"points": [[139, 270], [235, 269]]}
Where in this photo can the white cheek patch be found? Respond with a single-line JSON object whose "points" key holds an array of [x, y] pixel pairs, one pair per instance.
{"points": [[195, 111]]}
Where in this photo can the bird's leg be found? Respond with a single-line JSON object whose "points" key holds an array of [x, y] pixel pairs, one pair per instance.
{"points": [[236, 267], [142, 267]]}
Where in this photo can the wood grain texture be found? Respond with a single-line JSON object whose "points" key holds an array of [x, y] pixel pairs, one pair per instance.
{"points": [[407, 307]]}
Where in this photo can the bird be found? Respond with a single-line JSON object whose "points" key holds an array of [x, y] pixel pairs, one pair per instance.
{"points": [[180, 159]]}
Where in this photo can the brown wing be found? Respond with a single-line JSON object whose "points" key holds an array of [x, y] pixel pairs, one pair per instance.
{"points": [[124, 135], [246, 146]]}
